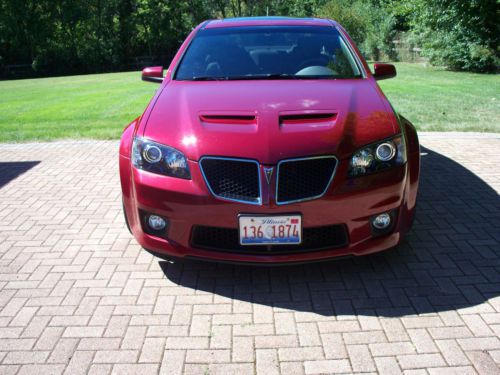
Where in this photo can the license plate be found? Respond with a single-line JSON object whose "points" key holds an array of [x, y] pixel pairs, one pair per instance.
{"points": [[270, 230]]}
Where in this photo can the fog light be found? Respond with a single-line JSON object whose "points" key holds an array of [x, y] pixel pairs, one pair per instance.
{"points": [[382, 221], [156, 222]]}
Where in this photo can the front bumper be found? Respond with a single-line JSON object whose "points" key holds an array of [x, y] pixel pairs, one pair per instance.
{"points": [[188, 203]]}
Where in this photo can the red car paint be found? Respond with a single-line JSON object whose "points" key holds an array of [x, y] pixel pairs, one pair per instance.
{"points": [[251, 119]]}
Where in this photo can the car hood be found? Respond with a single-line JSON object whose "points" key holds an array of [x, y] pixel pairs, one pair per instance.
{"points": [[270, 120]]}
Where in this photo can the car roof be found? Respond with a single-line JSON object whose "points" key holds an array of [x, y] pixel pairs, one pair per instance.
{"points": [[268, 21]]}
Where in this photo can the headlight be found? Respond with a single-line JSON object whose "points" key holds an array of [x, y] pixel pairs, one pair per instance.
{"points": [[156, 158], [378, 156]]}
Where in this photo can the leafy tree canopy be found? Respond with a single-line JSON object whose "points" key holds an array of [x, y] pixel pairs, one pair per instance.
{"points": [[80, 36]]}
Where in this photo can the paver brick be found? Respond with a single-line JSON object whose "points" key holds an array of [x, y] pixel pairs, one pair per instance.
{"points": [[387, 365], [486, 343], [361, 359], [459, 370], [152, 350], [330, 366], [422, 341], [392, 349], [450, 332], [364, 337], [25, 357], [301, 354], [173, 362], [415, 361], [308, 334], [116, 356], [78, 331], [38, 369], [334, 346], [79, 363], [63, 351], [231, 369], [187, 342], [243, 349], [253, 329], [220, 337], [208, 356], [275, 341], [99, 343], [296, 368], [267, 362], [135, 369]]}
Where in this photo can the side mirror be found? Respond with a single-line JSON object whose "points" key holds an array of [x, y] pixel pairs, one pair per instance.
{"points": [[153, 74], [384, 71]]}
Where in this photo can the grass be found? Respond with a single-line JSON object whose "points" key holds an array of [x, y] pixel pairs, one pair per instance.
{"points": [[87, 106], [434, 99], [99, 106]]}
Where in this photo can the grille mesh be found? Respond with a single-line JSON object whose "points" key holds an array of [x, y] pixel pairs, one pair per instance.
{"points": [[303, 179], [232, 179], [227, 240]]}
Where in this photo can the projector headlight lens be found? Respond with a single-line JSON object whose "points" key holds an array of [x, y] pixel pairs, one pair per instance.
{"points": [[385, 151], [378, 156], [152, 154], [157, 158]]}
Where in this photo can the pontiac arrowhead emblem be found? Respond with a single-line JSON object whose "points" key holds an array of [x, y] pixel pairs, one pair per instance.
{"points": [[268, 171]]}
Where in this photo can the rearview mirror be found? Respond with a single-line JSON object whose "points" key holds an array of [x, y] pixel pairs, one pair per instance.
{"points": [[153, 74], [384, 71]]}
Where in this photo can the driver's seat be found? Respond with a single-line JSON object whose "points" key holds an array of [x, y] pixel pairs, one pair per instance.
{"points": [[308, 49]]}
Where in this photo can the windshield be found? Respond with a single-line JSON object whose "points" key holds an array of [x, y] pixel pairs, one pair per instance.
{"points": [[267, 52]]}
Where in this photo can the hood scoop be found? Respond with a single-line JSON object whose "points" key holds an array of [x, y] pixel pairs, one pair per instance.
{"points": [[228, 119], [306, 121], [229, 122]]}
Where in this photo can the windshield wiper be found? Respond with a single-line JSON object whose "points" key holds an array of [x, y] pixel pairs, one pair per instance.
{"points": [[265, 76], [207, 78], [245, 77], [269, 76]]}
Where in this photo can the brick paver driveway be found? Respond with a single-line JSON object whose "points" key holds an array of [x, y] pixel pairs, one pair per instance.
{"points": [[78, 295]]}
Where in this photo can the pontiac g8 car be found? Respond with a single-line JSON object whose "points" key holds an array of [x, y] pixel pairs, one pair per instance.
{"points": [[269, 141]]}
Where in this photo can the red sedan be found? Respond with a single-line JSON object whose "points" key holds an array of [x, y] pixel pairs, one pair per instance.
{"points": [[269, 141]]}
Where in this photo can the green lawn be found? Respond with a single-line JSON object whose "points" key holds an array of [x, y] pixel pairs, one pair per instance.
{"points": [[87, 106], [99, 106], [434, 99]]}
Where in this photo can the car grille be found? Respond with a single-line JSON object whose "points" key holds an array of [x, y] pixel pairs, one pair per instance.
{"points": [[232, 179], [304, 179], [227, 240], [297, 179]]}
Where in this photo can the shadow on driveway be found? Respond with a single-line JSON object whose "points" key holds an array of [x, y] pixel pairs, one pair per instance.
{"points": [[450, 260], [11, 170]]}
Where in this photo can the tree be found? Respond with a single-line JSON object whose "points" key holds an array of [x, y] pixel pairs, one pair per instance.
{"points": [[82, 36], [461, 35], [371, 27]]}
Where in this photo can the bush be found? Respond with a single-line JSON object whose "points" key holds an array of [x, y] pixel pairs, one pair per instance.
{"points": [[461, 35]]}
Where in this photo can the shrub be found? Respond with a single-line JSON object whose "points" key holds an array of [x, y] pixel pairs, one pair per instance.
{"points": [[461, 35]]}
